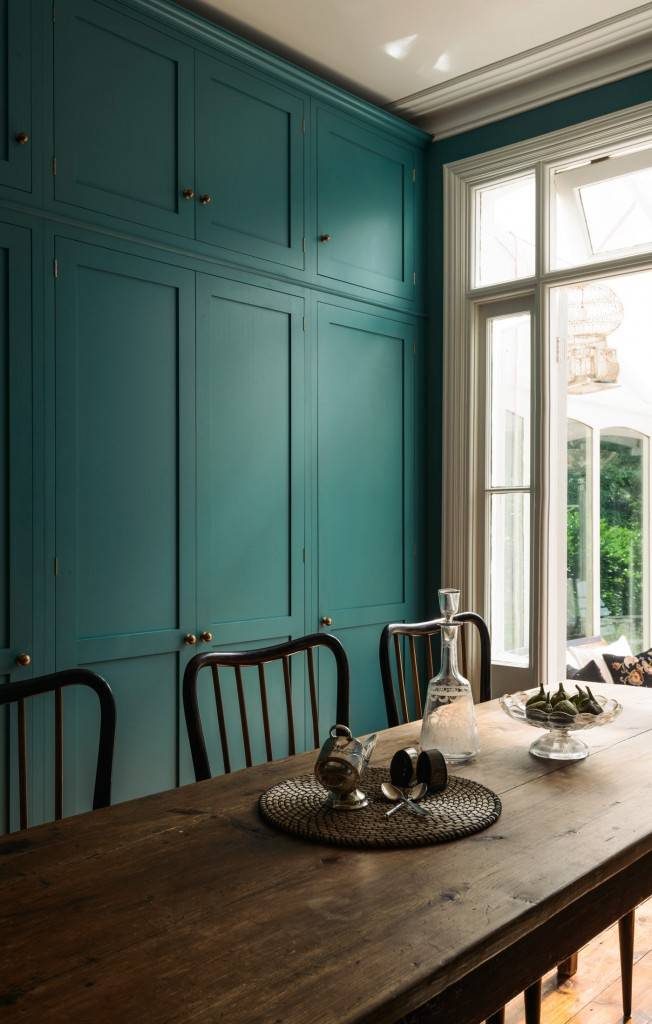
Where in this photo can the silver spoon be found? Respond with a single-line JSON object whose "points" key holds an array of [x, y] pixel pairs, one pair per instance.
{"points": [[404, 798]]}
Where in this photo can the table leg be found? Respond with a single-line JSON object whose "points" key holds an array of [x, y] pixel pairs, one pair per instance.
{"points": [[533, 1003], [567, 968], [626, 936]]}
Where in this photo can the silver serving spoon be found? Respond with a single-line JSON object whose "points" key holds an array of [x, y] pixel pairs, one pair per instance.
{"points": [[404, 798]]}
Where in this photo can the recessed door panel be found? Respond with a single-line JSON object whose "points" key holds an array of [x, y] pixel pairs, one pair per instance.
{"points": [[365, 490], [123, 117], [250, 461], [16, 527], [125, 482], [365, 207], [15, 94], [250, 163]]}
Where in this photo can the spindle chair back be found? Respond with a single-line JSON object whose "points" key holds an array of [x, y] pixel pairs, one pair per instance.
{"points": [[19, 692], [216, 660], [392, 639]]}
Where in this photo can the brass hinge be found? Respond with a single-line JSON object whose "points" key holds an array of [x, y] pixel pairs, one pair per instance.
{"points": [[55, 567], [303, 244], [55, 268], [54, 166], [414, 174], [304, 322], [303, 554]]}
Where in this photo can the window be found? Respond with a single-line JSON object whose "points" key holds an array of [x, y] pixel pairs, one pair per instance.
{"points": [[546, 418]]}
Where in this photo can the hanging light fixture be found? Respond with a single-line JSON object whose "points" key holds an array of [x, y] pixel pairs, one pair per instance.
{"points": [[594, 312]]}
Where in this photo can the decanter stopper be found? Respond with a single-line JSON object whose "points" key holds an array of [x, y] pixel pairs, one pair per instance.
{"points": [[449, 602]]}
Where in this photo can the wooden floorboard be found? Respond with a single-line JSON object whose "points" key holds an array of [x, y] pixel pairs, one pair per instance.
{"points": [[593, 995]]}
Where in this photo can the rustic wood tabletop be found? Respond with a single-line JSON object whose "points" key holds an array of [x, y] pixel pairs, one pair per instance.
{"points": [[186, 906]]}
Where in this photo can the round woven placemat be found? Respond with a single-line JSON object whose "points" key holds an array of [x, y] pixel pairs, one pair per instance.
{"points": [[300, 806]]}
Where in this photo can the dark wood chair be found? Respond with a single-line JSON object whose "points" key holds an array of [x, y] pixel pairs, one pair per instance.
{"points": [[19, 693], [390, 645], [258, 659]]}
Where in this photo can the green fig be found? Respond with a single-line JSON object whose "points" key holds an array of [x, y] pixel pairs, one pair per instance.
{"points": [[567, 707], [537, 697]]}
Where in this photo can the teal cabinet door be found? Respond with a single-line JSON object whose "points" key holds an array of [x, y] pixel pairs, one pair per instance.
{"points": [[16, 505], [365, 489], [15, 94], [250, 163], [365, 208], [250, 490], [15, 452], [124, 117], [125, 503]]}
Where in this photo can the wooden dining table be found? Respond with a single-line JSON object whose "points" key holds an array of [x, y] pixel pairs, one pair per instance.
{"points": [[186, 907]]}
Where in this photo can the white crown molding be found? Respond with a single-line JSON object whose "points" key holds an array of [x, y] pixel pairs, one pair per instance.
{"points": [[606, 51]]}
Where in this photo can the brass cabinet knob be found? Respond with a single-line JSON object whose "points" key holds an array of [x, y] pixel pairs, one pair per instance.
{"points": [[190, 639], [24, 660], [325, 238], [206, 636], [205, 199], [188, 193], [326, 620], [22, 138]]}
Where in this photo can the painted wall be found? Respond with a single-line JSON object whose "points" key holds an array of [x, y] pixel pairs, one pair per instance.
{"points": [[552, 116]]}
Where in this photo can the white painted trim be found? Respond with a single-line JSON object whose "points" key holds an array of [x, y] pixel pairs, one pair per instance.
{"points": [[604, 52], [462, 539]]}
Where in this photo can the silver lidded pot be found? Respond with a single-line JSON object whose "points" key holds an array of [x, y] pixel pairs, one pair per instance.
{"points": [[340, 766]]}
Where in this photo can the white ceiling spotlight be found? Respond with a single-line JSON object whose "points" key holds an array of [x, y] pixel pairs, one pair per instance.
{"points": [[443, 63], [399, 48]]}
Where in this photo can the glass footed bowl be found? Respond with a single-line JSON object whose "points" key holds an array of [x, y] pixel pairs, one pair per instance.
{"points": [[558, 742]]}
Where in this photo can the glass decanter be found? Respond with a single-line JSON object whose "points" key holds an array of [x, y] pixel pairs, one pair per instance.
{"points": [[449, 723]]}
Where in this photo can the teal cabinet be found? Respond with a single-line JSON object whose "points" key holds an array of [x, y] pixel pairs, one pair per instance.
{"points": [[365, 207], [125, 493], [250, 146], [124, 117], [250, 498], [365, 489], [250, 462], [16, 506], [15, 95]]}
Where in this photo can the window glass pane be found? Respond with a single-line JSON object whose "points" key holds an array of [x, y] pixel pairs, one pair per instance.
{"points": [[509, 401], [505, 231], [618, 212], [509, 576], [601, 209], [602, 326], [621, 537], [580, 534]]}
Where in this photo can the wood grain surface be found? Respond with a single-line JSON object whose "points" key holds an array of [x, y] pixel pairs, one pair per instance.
{"points": [[185, 906]]}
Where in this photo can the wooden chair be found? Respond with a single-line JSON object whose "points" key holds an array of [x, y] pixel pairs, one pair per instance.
{"points": [[390, 639], [19, 693], [258, 659]]}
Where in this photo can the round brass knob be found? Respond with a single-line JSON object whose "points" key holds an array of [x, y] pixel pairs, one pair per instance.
{"points": [[206, 636], [24, 660], [22, 138], [188, 193], [190, 639], [325, 238], [326, 620], [205, 199]]}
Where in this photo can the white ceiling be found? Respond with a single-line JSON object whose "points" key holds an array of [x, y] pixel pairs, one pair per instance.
{"points": [[433, 41]]}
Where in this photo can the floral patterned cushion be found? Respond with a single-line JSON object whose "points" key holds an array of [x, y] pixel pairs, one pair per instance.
{"points": [[631, 670]]}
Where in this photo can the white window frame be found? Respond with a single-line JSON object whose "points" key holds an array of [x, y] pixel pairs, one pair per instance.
{"points": [[462, 413]]}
